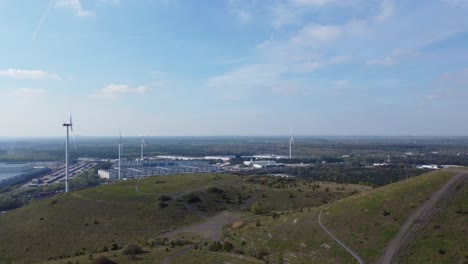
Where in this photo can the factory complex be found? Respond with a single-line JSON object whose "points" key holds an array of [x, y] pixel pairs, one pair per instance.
{"points": [[130, 169], [13, 173]]}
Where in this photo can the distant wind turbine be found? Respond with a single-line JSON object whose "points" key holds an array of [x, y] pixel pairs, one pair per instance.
{"points": [[291, 143], [143, 145], [120, 150], [69, 126]]}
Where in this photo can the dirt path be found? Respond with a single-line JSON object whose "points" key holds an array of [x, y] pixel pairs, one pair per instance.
{"points": [[359, 259], [211, 228], [177, 254], [420, 219]]}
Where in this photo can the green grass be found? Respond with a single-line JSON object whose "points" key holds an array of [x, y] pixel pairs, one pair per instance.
{"points": [[82, 221], [360, 220], [446, 239], [293, 237]]}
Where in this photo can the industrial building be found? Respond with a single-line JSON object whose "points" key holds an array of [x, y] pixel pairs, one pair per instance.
{"points": [[259, 164], [138, 172], [13, 173]]}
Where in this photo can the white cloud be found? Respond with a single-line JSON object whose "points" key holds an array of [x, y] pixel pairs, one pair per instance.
{"points": [[29, 92], [242, 10], [456, 2], [113, 91], [29, 74], [387, 9], [307, 67], [75, 6], [313, 2], [155, 72], [113, 2], [315, 34], [387, 61], [340, 59]]}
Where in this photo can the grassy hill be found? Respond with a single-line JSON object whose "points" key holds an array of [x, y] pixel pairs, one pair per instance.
{"points": [[273, 220], [368, 221], [446, 239], [113, 215]]}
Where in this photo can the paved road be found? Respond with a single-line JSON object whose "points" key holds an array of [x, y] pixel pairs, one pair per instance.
{"points": [[359, 259], [422, 217]]}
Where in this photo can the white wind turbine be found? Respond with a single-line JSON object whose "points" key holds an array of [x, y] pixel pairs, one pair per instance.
{"points": [[291, 143], [120, 151], [69, 127], [142, 145]]}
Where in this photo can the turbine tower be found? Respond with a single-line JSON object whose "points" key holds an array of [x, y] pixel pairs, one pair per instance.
{"points": [[143, 145], [69, 127], [120, 151], [291, 143]]}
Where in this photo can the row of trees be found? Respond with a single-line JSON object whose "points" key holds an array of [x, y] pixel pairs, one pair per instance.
{"points": [[377, 176]]}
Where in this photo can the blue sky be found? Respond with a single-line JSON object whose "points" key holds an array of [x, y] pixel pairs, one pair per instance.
{"points": [[234, 67]]}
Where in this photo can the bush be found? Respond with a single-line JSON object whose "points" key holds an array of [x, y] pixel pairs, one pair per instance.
{"points": [[192, 198], [103, 260], [164, 198], [259, 254], [151, 243], [215, 246], [227, 246], [132, 249], [161, 205], [214, 190]]}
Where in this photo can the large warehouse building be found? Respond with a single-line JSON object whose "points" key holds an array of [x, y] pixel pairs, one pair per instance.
{"points": [[13, 173], [150, 171]]}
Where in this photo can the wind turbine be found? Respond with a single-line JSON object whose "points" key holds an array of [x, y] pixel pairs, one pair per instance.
{"points": [[69, 126], [291, 143], [143, 145], [120, 151]]}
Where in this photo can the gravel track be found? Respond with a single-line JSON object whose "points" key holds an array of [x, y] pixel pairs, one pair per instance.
{"points": [[422, 217]]}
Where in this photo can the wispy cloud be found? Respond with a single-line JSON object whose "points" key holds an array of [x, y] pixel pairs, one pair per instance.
{"points": [[113, 91], [75, 6], [387, 61], [387, 9], [315, 34], [29, 92], [313, 2], [396, 55], [463, 3], [42, 20], [29, 74], [241, 10]]}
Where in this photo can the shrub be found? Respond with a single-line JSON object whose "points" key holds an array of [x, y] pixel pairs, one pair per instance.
{"points": [[161, 205], [164, 198], [259, 254], [215, 246], [132, 249], [227, 246], [114, 246], [214, 190], [192, 198], [103, 260], [257, 223], [151, 243]]}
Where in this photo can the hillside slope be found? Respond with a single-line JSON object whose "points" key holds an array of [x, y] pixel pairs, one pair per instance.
{"points": [[113, 215]]}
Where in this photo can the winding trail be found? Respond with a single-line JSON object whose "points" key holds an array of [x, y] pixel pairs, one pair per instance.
{"points": [[359, 259], [422, 217]]}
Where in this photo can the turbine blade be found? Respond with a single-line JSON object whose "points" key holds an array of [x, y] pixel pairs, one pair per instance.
{"points": [[74, 140]]}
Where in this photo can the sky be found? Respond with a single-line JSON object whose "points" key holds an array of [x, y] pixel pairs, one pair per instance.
{"points": [[233, 67]]}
